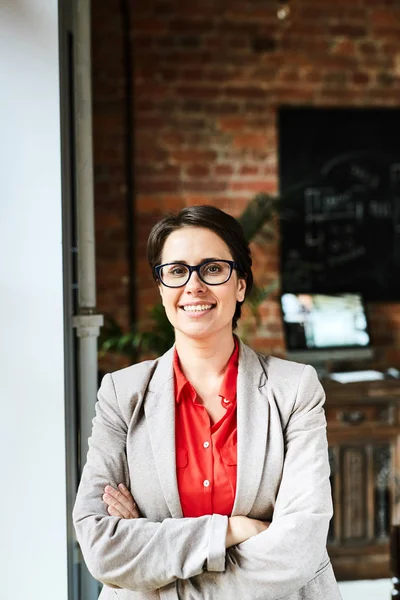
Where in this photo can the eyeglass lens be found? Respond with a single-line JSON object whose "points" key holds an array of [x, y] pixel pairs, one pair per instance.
{"points": [[213, 273]]}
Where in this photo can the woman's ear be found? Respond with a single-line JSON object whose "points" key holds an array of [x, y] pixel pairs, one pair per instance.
{"points": [[161, 290], [241, 290]]}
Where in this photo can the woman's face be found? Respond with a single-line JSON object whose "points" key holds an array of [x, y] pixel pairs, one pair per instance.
{"points": [[193, 245]]}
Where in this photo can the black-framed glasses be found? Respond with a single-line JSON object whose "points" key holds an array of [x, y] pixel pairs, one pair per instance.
{"points": [[211, 272]]}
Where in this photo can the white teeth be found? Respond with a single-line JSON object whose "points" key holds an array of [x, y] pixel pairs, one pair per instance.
{"points": [[197, 307]]}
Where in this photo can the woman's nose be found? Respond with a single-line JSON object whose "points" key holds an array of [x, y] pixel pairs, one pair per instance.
{"points": [[195, 284]]}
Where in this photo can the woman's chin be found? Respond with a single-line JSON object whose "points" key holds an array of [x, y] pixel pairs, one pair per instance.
{"points": [[197, 330]]}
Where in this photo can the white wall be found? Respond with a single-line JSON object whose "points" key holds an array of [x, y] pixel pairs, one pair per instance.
{"points": [[33, 560], [379, 589]]}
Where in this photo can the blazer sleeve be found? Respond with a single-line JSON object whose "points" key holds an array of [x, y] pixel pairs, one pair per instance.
{"points": [[136, 554], [285, 557]]}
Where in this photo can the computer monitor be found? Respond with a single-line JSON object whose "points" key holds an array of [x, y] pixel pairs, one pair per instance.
{"points": [[322, 327]]}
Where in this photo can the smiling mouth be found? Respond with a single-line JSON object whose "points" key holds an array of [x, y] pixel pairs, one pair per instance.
{"points": [[197, 307]]}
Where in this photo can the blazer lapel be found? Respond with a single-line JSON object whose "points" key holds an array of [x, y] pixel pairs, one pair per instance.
{"points": [[252, 427], [159, 409]]}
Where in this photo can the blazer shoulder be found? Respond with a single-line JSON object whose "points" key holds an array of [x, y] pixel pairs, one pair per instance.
{"points": [[280, 368], [291, 383], [130, 386], [134, 373], [276, 370]]}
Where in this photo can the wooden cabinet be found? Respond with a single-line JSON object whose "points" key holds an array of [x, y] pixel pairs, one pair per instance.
{"points": [[364, 452]]}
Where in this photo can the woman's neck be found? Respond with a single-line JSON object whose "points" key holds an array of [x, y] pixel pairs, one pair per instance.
{"points": [[200, 358]]}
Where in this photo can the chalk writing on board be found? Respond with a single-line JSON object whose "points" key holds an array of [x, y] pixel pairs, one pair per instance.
{"points": [[364, 177], [356, 253], [354, 202], [340, 229], [322, 204]]}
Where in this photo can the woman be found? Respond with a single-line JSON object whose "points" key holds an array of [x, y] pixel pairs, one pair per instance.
{"points": [[221, 452]]}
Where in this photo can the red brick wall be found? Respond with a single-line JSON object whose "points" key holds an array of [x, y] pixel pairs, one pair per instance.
{"points": [[208, 78]]}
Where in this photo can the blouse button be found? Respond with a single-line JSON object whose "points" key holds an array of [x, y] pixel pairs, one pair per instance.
{"points": [[226, 401], [206, 444], [206, 483]]}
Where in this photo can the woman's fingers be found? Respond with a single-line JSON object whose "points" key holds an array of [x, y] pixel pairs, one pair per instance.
{"points": [[120, 505], [113, 512], [120, 502]]}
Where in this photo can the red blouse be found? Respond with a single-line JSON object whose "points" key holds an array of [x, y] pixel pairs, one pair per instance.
{"points": [[206, 454]]}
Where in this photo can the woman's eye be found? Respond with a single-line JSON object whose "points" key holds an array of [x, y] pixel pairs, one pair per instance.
{"points": [[213, 269], [177, 271]]}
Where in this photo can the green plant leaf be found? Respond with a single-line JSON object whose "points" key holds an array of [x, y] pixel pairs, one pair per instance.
{"points": [[259, 210], [257, 296]]}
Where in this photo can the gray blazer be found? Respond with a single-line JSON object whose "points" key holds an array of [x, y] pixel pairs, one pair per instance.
{"points": [[282, 475]]}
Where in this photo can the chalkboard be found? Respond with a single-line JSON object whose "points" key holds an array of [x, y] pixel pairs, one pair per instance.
{"points": [[340, 227]]}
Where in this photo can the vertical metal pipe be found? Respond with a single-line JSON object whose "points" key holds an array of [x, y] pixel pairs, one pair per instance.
{"points": [[87, 322], [84, 156]]}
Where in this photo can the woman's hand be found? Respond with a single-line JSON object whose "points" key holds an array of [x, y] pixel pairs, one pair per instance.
{"points": [[242, 528], [120, 502]]}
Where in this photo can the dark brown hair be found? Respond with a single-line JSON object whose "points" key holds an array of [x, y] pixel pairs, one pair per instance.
{"points": [[207, 217]]}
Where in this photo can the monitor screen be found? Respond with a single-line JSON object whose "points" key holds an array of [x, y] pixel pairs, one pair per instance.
{"points": [[324, 321]]}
